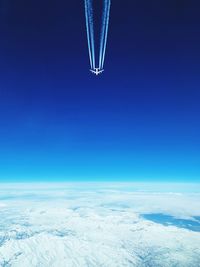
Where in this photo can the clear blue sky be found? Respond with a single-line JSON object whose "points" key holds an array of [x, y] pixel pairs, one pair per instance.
{"points": [[137, 121]]}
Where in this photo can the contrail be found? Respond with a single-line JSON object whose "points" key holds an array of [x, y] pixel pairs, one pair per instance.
{"points": [[90, 31], [93, 47], [102, 34], [105, 24]]}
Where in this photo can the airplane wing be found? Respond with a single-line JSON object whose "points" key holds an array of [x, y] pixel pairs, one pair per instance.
{"points": [[96, 71]]}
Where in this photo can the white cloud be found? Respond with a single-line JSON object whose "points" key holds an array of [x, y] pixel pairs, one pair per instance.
{"points": [[95, 226]]}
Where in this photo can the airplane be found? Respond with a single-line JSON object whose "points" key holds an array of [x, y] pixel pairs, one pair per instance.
{"points": [[97, 71]]}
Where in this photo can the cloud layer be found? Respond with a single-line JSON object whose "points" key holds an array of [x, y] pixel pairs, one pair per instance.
{"points": [[97, 225]]}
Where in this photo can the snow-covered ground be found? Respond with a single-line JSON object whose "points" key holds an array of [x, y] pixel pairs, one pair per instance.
{"points": [[107, 225]]}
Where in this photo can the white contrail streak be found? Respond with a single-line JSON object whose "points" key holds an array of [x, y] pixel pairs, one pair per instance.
{"points": [[88, 32], [107, 15], [102, 38], [91, 23]]}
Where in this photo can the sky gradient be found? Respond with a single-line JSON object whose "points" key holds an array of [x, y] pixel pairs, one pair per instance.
{"points": [[139, 120]]}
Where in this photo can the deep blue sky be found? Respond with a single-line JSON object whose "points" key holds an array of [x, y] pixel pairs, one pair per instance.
{"points": [[137, 121]]}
